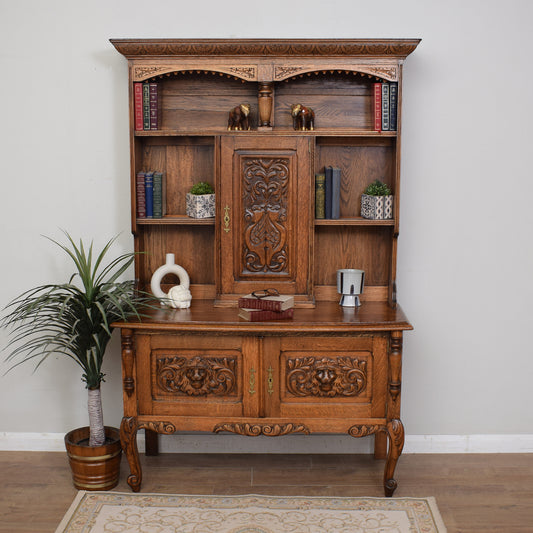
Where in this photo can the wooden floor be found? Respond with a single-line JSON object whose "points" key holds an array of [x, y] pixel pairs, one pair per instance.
{"points": [[474, 493]]}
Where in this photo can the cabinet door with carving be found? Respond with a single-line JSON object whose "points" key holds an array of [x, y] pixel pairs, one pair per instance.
{"points": [[265, 224], [197, 375], [325, 377]]}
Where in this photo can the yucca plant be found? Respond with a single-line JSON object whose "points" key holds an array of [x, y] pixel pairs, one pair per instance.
{"points": [[74, 319]]}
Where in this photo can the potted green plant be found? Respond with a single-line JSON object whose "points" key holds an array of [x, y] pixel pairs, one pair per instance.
{"points": [[200, 200], [74, 319], [377, 201]]}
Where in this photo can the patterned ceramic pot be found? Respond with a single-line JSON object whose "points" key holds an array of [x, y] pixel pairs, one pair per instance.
{"points": [[200, 205], [376, 207]]}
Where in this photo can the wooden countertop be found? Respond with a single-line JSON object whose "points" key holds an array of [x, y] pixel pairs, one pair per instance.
{"points": [[326, 317]]}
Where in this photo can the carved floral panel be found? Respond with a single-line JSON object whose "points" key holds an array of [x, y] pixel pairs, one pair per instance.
{"points": [[197, 376], [265, 203]]}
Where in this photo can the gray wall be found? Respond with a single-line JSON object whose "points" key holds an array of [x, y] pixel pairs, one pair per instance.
{"points": [[465, 263]]}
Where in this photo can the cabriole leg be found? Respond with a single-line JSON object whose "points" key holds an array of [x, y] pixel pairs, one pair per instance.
{"points": [[128, 439], [395, 433]]}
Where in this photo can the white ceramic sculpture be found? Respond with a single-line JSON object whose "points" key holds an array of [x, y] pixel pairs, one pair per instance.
{"points": [[178, 296]]}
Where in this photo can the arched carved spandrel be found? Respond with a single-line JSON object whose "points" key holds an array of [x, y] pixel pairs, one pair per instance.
{"points": [[197, 376], [244, 72], [389, 73], [326, 377]]}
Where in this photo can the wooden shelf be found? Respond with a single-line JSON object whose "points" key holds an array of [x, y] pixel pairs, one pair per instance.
{"points": [[341, 132], [177, 220], [353, 221]]}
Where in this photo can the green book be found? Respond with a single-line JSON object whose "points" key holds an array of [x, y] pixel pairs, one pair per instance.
{"points": [[159, 199], [320, 195]]}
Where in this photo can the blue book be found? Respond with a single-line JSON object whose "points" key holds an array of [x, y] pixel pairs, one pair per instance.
{"points": [[385, 107], [149, 192], [336, 193], [328, 171], [393, 105]]}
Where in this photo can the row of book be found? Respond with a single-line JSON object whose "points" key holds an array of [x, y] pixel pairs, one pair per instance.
{"points": [[150, 193], [147, 106], [254, 309], [328, 193], [385, 106]]}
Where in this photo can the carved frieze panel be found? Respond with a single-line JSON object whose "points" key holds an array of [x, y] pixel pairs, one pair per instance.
{"points": [[364, 430], [326, 377], [254, 430], [159, 427], [197, 376], [144, 72], [265, 204], [387, 72]]}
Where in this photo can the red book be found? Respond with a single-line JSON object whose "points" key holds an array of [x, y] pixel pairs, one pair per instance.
{"points": [[138, 105], [377, 106], [269, 303], [262, 315]]}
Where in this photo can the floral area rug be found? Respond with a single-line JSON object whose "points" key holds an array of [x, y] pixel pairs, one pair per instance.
{"points": [[102, 512]]}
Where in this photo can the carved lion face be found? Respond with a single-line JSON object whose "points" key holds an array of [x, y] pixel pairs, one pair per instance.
{"points": [[196, 376], [325, 376]]}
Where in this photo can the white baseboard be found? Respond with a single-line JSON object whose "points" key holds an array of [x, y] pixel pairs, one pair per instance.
{"points": [[187, 443]]}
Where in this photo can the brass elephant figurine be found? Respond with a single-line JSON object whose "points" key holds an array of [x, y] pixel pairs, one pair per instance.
{"points": [[303, 118], [238, 118]]}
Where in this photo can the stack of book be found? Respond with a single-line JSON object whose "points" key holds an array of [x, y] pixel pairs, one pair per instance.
{"points": [[255, 309], [150, 194], [147, 106], [328, 193], [385, 106]]}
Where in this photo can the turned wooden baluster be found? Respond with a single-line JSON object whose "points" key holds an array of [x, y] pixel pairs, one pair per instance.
{"points": [[395, 430], [265, 102], [128, 427]]}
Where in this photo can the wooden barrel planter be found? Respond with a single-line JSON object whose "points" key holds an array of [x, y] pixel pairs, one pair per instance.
{"points": [[94, 467]]}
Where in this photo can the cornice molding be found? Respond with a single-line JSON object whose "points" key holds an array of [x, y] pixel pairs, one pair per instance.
{"points": [[146, 48]]}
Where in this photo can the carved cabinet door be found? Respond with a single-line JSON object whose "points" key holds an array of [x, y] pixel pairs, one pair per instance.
{"points": [[265, 215], [333, 377], [200, 376]]}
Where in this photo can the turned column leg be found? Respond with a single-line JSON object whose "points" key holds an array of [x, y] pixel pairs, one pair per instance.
{"points": [[128, 439], [395, 430], [380, 445], [151, 441], [395, 433]]}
